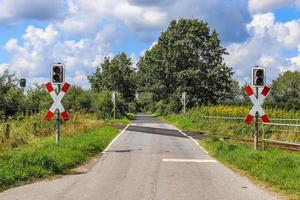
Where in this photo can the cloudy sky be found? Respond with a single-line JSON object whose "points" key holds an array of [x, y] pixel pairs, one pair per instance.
{"points": [[79, 33]]}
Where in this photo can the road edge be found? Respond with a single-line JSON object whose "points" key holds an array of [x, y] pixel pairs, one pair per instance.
{"points": [[112, 142], [195, 141]]}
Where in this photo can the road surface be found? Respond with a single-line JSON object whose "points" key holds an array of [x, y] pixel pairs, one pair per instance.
{"points": [[151, 160]]}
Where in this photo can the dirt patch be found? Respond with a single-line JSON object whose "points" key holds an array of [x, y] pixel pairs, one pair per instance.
{"points": [[87, 166], [118, 126]]}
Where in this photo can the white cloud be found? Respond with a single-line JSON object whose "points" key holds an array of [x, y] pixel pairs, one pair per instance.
{"points": [[3, 67], [139, 17], [287, 34], [146, 18], [87, 17], [264, 47], [134, 60], [34, 51], [39, 48], [151, 46], [268, 5], [37, 38]]}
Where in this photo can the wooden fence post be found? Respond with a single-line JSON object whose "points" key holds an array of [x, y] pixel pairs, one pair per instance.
{"points": [[7, 131]]}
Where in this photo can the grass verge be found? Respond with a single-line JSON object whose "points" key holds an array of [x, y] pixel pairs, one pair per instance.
{"points": [[276, 168], [42, 158], [182, 122]]}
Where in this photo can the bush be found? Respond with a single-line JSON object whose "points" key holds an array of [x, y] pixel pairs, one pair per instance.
{"points": [[165, 107], [102, 105]]}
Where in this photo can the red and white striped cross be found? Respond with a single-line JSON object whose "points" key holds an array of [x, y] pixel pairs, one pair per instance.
{"points": [[257, 103], [57, 101]]}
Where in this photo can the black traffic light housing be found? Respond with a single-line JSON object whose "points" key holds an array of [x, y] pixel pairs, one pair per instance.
{"points": [[57, 73], [22, 82], [258, 76]]}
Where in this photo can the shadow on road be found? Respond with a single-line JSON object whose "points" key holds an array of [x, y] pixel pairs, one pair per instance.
{"points": [[156, 131], [142, 118]]}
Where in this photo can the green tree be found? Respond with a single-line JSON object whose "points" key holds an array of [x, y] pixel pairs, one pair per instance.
{"points": [[187, 57], [77, 99], [38, 99], [115, 74], [11, 96], [286, 90]]}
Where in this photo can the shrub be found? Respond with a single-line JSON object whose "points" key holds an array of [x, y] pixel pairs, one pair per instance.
{"points": [[102, 105]]}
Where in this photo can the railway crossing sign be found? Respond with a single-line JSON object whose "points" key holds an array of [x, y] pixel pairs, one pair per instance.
{"points": [[57, 105], [257, 103]]}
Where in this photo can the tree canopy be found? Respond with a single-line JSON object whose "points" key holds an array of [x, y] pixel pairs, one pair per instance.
{"points": [[187, 57], [115, 74], [11, 96], [286, 90]]}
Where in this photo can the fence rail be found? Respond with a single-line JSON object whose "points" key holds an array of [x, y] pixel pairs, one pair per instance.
{"points": [[242, 118], [265, 140], [221, 117], [278, 124], [281, 142]]}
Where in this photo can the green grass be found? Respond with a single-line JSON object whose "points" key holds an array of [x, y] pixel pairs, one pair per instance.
{"points": [[182, 122], [23, 131], [276, 168], [120, 121], [43, 158]]}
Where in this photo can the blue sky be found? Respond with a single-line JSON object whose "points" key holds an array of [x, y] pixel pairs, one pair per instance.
{"points": [[36, 33]]}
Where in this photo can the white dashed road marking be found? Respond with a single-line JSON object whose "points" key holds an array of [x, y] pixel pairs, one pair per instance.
{"points": [[189, 160]]}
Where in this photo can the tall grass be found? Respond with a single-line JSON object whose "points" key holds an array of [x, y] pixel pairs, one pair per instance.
{"points": [[41, 157], [24, 130]]}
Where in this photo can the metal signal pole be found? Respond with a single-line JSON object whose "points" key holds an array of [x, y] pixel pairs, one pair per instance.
{"points": [[256, 124], [114, 103], [57, 131], [183, 99]]}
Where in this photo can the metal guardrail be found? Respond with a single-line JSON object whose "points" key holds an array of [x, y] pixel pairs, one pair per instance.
{"points": [[264, 140], [221, 117], [281, 142], [242, 118], [277, 124]]}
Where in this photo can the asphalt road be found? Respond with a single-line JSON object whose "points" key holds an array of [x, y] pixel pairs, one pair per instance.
{"points": [[150, 160]]}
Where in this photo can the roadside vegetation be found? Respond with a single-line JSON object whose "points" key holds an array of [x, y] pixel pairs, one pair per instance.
{"points": [[198, 120], [24, 130], [28, 151], [42, 158], [279, 170]]}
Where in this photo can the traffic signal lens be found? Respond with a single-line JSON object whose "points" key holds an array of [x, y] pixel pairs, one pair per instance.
{"points": [[259, 72], [56, 78], [56, 69], [259, 81]]}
